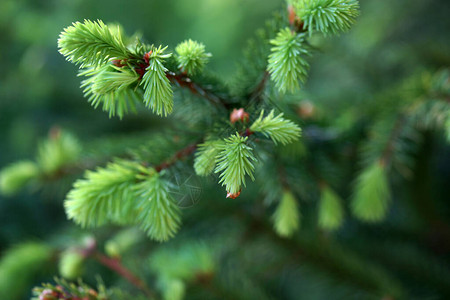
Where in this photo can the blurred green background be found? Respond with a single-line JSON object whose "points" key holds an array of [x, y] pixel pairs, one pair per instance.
{"points": [[38, 89]]}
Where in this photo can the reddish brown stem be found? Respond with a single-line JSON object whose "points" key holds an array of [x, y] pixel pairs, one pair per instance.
{"points": [[183, 153], [247, 132], [117, 266], [184, 81]]}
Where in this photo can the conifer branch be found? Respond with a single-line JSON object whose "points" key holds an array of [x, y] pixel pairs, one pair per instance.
{"points": [[286, 217], [277, 128], [331, 212], [205, 158], [327, 16], [184, 81], [157, 211], [111, 86], [158, 94], [91, 44], [371, 194], [116, 265], [287, 65], [191, 56], [234, 161]]}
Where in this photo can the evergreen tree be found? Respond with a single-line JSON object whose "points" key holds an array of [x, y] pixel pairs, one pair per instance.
{"points": [[246, 188]]}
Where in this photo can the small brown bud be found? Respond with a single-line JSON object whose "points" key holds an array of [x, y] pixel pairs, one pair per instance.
{"points": [[292, 15], [239, 115], [233, 196], [54, 133], [147, 56], [119, 62], [306, 109]]}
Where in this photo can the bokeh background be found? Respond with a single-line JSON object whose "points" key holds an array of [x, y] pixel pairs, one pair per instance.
{"points": [[39, 90]]}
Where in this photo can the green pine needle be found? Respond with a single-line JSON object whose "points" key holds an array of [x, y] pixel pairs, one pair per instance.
{"points": [[371, 195], [191, 56], [109, 78], [71, 264], [287, 65], [158, 213], [277, 128], [205, 157], [20, 266], [235, 161], [58, 151], [104, 195], [15, 176], [287, 217], [327, 16], [183, 262], [158, 94], [111, 87], [91, 44], [331, 213]]}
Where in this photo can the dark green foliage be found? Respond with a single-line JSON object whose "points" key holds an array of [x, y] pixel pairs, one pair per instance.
{"points": [[350, 172]]}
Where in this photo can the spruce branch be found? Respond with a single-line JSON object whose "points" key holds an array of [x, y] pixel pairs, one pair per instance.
{"points": [[186, 262], [327, 16], [205, 157], [286, 217], [205, 92], [331, 212], [17, 175], [157, 211], [91, 43], [191, 56], [71, 263], [117, 266], [20, 265], [125, 192], [234, 161], [105, 195], [109, 78], [287, 65], [277, 128], [60, 149], [111, 86], [371, 194], [158, 94]]}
